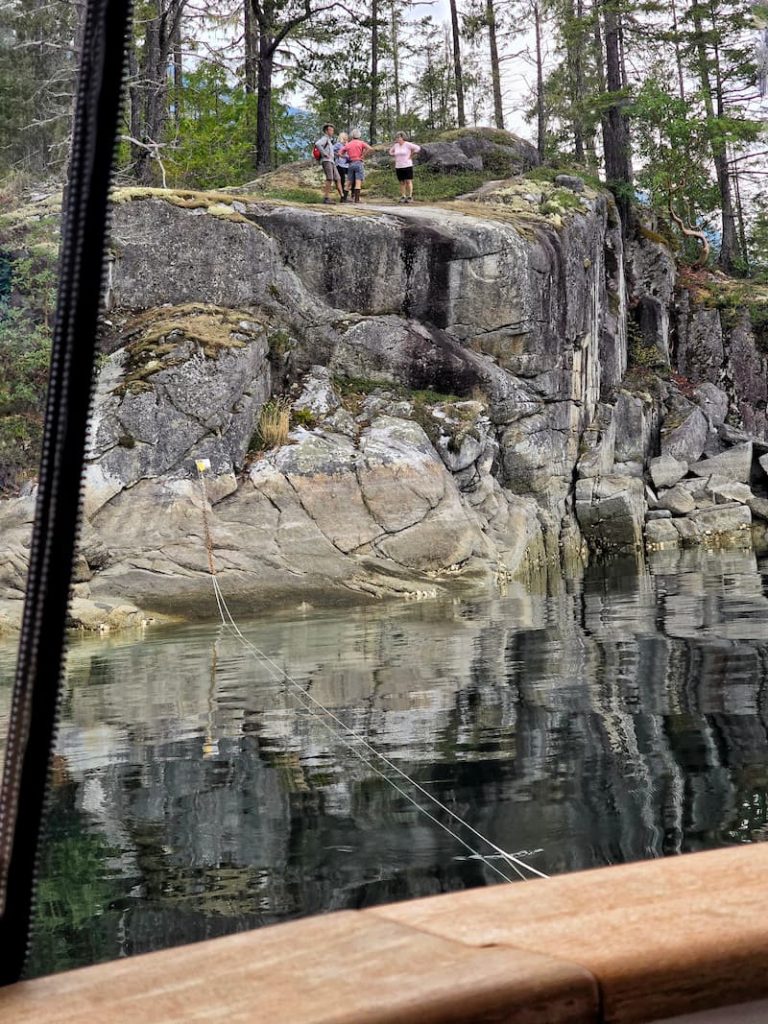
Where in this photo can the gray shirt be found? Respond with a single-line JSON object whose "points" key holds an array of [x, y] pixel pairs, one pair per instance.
{"points": [[325, 145]]}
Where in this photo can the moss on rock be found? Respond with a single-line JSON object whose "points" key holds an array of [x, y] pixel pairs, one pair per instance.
{"points": [[159, 339]]}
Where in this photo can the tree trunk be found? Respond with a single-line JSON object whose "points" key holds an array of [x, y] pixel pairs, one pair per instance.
{"points": [[577, 81], [541, 124], [729, 244], [178, 74], [264, 104], [740, 216], [374, 126], [457, 72], [498, 109], [618, 168], [396, 62], [251, 47], [678, 55]]}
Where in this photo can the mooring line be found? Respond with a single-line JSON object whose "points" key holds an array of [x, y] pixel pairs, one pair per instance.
{"points": [[311, 704]]}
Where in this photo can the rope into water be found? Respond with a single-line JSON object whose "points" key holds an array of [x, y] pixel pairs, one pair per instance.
{"points": [[317, 709]]}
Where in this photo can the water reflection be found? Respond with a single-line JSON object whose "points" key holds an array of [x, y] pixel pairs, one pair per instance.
{"points": [[619, 718]]}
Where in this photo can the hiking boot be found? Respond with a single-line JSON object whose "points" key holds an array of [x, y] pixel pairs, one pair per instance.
{"points": [[403, 199], [357, 197], [344, 198], [327, 201], [409, 199]]}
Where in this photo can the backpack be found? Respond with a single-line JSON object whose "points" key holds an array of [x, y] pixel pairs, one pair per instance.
{"points": [[317, 155]]}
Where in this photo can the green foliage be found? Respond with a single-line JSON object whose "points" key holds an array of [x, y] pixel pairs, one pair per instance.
{"points": [[27, 302], [303, 418], [673, 141], [428, 186], [73, 890], [215, 132], [36, 85], [641, 355]]}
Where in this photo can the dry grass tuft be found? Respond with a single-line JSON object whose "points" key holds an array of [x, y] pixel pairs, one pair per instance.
{"points": [[274, 423]]}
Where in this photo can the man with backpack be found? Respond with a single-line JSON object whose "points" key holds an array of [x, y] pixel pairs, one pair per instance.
{"points": [[324, 146]]}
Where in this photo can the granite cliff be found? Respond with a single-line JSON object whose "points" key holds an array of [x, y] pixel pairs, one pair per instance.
{"points": [[487, 388]]}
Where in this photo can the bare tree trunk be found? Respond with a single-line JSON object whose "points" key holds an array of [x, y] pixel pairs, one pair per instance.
{"points": [[729, 244], [498, 109], [396, 60], [373, 126], [251, 47], [264, 104], [577, 82], [740, 216], [618, 167], [541, 124], [678, 55], [178, 74], [457, 72]]}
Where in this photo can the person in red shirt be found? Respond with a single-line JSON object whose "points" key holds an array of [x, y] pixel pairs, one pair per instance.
{"points": [[356, 150]]}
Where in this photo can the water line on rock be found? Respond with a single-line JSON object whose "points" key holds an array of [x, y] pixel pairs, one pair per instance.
{"points": [[318, 710]]}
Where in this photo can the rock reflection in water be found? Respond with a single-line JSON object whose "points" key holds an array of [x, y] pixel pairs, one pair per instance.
{"points": [[622, 717]]}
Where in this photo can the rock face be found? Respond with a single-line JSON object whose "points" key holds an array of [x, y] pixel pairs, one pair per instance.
{"points": [[391, 400], [501, 317], [720, 346]]}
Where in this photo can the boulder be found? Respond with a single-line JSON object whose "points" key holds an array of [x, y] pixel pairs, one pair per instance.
{"points": [[447, 158], [666, 470], [758, 507], [723, 525], [713, 402], [699, 491], [318, 395], [661, 533], [191, 386], [677, 500], [688, 531], [501, 152], [686, 441], [632, 419], [700, 352], [611, 511], [725, 491], [570, 181], [735, 464]]}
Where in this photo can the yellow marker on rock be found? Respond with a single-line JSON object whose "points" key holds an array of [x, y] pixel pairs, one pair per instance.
{"points": [[202, 465]]}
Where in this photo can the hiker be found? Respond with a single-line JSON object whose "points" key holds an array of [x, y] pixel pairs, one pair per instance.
{"points": [[328, 163], [356, 150], [342, 164], [403, 151]]}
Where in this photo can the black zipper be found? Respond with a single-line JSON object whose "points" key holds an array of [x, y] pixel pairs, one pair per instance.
{"points": [[42, 649]]}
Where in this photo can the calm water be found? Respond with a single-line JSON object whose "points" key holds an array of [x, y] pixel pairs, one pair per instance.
{"points": [[623, 717]]}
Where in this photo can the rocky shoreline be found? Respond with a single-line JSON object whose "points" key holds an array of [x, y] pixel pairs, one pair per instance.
{"points": [[484, 390]]}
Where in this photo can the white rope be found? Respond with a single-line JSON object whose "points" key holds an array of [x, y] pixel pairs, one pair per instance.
{"points": [[306, 699]]}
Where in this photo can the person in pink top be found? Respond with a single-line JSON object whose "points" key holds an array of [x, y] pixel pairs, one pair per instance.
{"points": [[356, 150], [404, 151]]}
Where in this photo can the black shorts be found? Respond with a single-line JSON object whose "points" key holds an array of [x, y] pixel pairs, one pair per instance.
{"points": [[404, 173]]}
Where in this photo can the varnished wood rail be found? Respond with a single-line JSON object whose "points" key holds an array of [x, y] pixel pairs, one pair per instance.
{"points": [[629, 944]]}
